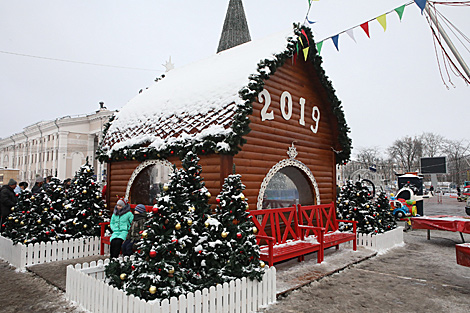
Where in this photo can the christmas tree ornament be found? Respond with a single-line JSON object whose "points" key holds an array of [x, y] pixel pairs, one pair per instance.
{"points": [[190, 222], [39, 221], [13, 209], [178, 226], [208, 194], [100, 213], [153, 289], [242, 197], [224, 234], [123, 276], [171, 270], [152, 253], [255, 230], [235, 222], [247, 207], [165, 187], [85, 226], [166, 221], [45, 209], [16, 221], [239, 235], [155, 210], [262, 264], [97, 197], [217, 200], [84, 191], [21, 223], [192, 209], [10, 217], [144, 235]]}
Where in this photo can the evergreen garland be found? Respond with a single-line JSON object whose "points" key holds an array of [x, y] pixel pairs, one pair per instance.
{"points": [[232, 142]]}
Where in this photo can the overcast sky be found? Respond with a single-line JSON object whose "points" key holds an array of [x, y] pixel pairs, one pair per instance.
{"points": [[389, 84]]}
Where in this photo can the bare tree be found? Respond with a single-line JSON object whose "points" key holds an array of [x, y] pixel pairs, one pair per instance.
{"points": [[456, 151], [433, 144], [407, 151], [368, 156]]}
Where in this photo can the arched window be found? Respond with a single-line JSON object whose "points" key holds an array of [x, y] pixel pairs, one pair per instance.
{"points": [[147, 181], [288, 182]]}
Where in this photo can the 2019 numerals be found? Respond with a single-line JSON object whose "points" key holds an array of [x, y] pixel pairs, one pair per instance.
{"points": [[285, 104]]}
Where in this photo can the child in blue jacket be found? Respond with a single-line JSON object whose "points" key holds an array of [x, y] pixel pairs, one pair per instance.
{"points": [[120, 224]]}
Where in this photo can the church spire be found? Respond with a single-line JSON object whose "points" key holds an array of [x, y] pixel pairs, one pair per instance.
{"points": [[235, 31]]}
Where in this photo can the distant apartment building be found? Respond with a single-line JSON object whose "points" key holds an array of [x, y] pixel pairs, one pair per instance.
{"points": [[57, 148]]}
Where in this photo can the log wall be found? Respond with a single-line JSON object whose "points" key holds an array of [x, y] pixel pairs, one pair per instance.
{"points": [[269, 140]]}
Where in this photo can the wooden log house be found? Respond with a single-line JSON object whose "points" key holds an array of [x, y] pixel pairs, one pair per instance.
{"points": [[264, 108]]}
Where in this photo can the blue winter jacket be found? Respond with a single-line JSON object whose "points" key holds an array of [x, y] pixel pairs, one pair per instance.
{"points": [[121, 222]]}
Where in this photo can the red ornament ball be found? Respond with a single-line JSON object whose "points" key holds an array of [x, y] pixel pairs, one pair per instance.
{"points": [[133, 267], [200, 251], [155, 210], [47, 233], [174, 240], [22, 212], [145, 155], [203, 151], [171, 152], [217, 200], [239, 235], [27, 212], [52, 230], [153, 253], [65, 230], [140, 232]]}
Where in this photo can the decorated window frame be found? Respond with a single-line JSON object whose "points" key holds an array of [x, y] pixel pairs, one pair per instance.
{"points": [[142, 166]]}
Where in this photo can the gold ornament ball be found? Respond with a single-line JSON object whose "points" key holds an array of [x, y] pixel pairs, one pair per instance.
{"points": [[16, 221], [25, 241], [165, 188], [45, 209], [10, 218], [206, 224], [32, 198], [171, 270], [190, 222], [224, 234], [22, 223], [153, 289], [178, 226], [100, 213], [145, 235], [97, 197], [88, 171], [13, 208], [208, 194], [105, 205], [367, 206], [192, 209], [242, 197], [84, 226], [84, 191], [74, 223], [39, 221], [123, 276], [247, 206], [358, 194], [255, 230], [76, 182], [262, 264]]}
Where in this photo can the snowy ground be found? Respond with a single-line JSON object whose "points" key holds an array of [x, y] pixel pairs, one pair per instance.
{"points": [[421, 276]]}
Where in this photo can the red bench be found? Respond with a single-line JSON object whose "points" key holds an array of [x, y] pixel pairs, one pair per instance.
{"points": [[324, 216], [283, 236], [463, 254], [106, 240]]}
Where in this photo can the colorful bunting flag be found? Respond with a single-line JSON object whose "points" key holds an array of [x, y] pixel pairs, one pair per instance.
{"points": [[309, 21], [382, 19], [365, 27], [421, 4], [350, 33], [400, 10], [306, 52], [300, 38], [319, 46], [305, 34], [335, 41]]}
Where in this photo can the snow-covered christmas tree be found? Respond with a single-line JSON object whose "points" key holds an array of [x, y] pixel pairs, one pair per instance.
{"points": [[16, 225], [185, 247], [357, 204], [240, 251], [85, 208], [386, 219]]}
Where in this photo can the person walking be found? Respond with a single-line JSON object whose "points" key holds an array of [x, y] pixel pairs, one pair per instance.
{"points": [[37, 185], [133, 236], [120, 224], [8, 200], [21, 187]]}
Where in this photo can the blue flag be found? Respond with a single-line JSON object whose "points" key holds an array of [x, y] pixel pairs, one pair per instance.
{"points": [[335, 41], [421, 4]]}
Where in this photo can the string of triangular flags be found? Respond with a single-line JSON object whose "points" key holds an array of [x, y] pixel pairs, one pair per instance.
{"points": [[382, 19]]}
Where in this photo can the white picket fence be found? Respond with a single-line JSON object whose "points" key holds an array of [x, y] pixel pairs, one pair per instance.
{"points": [[382, 241], [85, 285], [21, 255]]}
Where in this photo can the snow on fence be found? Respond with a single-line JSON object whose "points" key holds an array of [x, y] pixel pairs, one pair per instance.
{"points": [[85, 285], [21, 255], [381, 241]]}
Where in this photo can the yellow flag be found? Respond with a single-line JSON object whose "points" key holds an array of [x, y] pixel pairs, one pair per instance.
{"points": [[382, 19], [306, 53], [300, 37]]}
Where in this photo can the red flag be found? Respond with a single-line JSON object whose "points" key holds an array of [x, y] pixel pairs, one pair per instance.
{"points": [[305, 34], [365, 27]]}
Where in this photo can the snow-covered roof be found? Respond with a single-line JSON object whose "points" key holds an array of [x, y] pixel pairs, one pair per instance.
{"points": [[197, 97]]}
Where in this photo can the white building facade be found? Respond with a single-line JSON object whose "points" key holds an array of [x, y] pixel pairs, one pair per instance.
{"points": [[55, 148]]}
